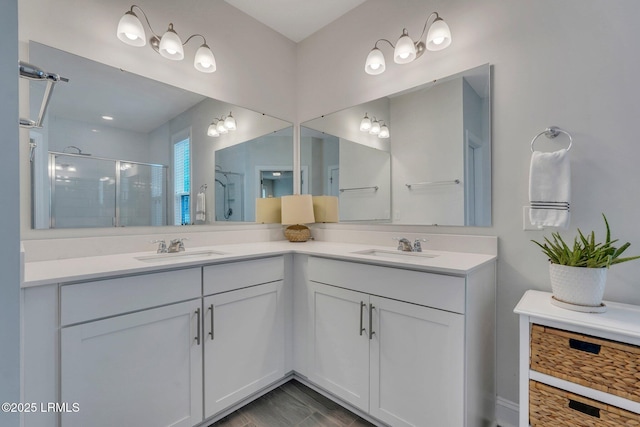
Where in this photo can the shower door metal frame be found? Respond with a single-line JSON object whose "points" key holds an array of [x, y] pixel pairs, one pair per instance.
{"points": [[117, 164]]}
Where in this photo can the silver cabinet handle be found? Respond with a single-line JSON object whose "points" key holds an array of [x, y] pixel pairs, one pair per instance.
{"points": [[371, 307], [362, 329], [211, 332], [198, 326]]}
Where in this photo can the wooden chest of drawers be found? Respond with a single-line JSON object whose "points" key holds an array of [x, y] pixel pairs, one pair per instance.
{"points": [[578, 369]]}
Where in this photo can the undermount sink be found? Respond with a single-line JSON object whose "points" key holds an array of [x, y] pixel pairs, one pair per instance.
{"points": [[394, 254], [178, 256]]}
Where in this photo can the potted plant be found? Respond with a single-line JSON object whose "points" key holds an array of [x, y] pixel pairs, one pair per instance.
{"points": [[578, 273]]}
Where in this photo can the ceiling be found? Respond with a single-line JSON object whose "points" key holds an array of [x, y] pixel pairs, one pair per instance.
{"points": [[295, 19]]}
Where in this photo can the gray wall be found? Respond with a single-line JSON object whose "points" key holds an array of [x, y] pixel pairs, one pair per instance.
{"points": [[570, 63], [10, 224]]}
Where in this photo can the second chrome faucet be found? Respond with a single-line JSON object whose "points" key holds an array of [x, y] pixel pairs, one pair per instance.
{"points": [[405, 245]]}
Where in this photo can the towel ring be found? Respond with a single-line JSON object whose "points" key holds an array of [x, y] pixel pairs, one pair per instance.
{"points": [[552, 132]]}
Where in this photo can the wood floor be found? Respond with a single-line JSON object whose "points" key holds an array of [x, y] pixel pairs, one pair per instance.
{"points": [[289, 405]]}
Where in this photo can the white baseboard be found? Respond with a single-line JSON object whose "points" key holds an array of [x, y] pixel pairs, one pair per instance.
{"points": [[506, 412]]}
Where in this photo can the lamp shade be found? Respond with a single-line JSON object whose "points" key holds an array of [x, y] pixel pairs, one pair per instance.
{"points": [[130, 30], [268, 210], [375, 62], [171, 45], [375, 127], [405, 50], [212, 131], [325, 208], [439, 35], [204, 60], [230, 122], [384, 132], [365, 123], [297, 209]]}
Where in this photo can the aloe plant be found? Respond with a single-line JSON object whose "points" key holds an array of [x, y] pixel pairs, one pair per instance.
{"points": [[585, 251]]}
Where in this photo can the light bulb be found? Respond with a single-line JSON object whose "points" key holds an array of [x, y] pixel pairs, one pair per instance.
{"points": [[365, 124], [375, 127], [375, 63], [171, 45], [204, 60], [130, 30], [405, 50], [439, 35]]}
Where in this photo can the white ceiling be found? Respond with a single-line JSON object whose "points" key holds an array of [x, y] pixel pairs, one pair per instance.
{"points": [[295, 19]]}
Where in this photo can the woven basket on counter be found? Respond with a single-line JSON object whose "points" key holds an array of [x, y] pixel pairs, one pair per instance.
{"points": [[297, 233], [552, 407], [600, 364]]}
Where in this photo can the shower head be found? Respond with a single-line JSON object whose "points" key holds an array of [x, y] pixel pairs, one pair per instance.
{"points": [[75, 148], [221, 183]]}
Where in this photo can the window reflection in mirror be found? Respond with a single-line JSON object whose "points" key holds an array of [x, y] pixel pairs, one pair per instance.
{"points": [[124, 135], [439, 150]]}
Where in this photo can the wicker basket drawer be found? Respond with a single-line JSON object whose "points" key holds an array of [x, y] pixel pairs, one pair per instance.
{"points": [[604, 365], [552, 407]]}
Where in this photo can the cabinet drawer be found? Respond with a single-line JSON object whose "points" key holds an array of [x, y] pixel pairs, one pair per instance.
{"points": [[93, 300], [604, 365], [235, 275], [552, 407], [428, 289]]}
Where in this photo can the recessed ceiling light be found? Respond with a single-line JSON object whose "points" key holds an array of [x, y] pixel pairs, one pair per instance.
{"points": [[107, 117], [277, 174]]}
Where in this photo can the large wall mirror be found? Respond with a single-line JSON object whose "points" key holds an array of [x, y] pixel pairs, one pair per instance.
{"points": [[433, 167], [119, 150]]}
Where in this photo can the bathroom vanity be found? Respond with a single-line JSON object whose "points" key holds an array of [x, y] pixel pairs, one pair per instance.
{"points": [[138, 339]]}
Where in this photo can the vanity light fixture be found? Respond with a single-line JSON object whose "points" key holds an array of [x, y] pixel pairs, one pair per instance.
{"points": [[374, 127], [169, 45], [406, 50], [222, 125]]}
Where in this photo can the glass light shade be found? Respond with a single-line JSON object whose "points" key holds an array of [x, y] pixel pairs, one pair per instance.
{"points": [[375, 62], [375, 128], [171, 45], [365, 124], [220, 127], [405, 50], [325, 208], [297, 209], [130, 30], [384, 132], [230, 122], [212, 131], [204, 61], [439, 35], [268, 210]]}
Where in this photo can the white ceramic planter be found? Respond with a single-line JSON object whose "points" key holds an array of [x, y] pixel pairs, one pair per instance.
{"points": [[578, 285]]}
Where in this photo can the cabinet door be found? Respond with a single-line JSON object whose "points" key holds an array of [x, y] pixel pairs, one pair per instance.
{"points": [[417, 365], [140, 369], [339, 342], [244, 344]]}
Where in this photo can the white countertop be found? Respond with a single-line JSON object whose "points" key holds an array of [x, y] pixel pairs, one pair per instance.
{"points": [[96, 267]]}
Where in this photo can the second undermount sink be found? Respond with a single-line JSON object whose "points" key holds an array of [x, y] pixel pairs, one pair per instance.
{"points": [[394, 254], [179, 256]]}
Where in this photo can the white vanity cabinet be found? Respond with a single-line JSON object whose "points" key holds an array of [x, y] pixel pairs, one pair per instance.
{"points": [[244, 333], [127, 361], [397, 343]]}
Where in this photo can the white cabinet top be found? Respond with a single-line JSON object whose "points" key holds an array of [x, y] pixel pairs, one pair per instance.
{"points": [[620, 319], [96, 267]]}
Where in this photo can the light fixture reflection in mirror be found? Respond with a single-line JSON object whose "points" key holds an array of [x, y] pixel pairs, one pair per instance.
{"points": [[440, 152], [123, 165]]}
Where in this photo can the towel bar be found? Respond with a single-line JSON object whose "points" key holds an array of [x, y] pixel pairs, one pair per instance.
{"points": [[552, 132]]}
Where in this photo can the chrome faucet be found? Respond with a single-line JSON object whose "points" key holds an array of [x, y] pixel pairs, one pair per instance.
{"points": [[405, 245], [162, 246], [176, 245]]}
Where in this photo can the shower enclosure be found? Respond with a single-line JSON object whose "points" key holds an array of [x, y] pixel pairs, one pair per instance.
{"points": [[87, 191], [229, 193]]}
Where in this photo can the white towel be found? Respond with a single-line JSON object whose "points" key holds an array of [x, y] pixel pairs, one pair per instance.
{"points": [[201, 207], [550, 189]]}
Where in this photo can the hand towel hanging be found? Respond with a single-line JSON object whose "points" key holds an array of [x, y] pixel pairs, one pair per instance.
{"points": [[201, 206], [550, 189]]}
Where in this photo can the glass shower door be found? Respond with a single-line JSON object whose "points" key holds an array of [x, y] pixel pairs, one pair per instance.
{"points": [[83, 191], [141, 194]]}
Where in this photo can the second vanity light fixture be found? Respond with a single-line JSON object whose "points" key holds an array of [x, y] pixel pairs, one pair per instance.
{"points": [[222, 125], [374, 127], [406, 50], [170, 46]]}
